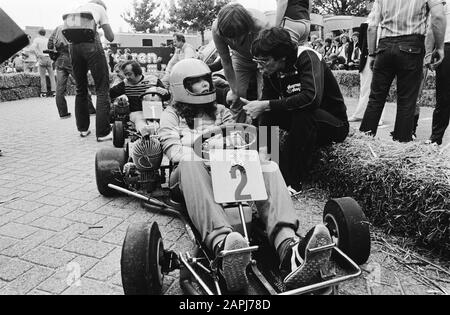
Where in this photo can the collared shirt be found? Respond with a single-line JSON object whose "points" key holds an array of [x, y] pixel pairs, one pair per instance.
{"points": [[401, 17]]}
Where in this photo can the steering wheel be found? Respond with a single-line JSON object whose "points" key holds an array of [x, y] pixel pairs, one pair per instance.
{"points": [[161, 96], [248, 133]]}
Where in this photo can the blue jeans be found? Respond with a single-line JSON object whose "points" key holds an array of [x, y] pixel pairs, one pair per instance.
{"points": [[400, 57], [90, 56]]}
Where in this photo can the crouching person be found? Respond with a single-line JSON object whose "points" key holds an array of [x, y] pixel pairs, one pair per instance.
{"points": [[301, 96], [195, 110], [135, 85]]}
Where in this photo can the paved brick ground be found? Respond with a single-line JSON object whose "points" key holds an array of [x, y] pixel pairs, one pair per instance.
{"points": [[57, 234]]}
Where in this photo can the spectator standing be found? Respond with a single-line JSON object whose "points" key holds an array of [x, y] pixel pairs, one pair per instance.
{"points": [[295, 17], [233, 33], [183, 51], [63, 65], [40, 44], [366, 74], [90, 56], [400, 53], [441, 115]]}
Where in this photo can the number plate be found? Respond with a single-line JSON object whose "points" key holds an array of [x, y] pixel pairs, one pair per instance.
{"points": [[237, 176], [152, 110]]}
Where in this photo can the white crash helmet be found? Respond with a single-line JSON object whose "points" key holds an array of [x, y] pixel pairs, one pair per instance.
{"points": [[184, 71]]}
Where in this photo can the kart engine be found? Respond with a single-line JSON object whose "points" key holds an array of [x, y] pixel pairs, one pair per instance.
{"points": [[147, 157]]}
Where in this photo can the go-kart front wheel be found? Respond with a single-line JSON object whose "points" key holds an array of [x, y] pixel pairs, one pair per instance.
{"points": [[349, 228], [118, 134], [109, 163], [141, 262]]}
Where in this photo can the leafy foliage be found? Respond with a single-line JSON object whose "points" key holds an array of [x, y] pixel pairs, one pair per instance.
{"points": [[142, 17], [342, 7]]}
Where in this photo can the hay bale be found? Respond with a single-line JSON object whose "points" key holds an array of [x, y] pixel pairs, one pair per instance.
{"points": [[404, 188]]}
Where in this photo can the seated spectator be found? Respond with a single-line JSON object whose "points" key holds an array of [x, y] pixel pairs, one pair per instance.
{"points": [[336, 62], [18, 63], [354, 53], [345, 44], [320, 48]]}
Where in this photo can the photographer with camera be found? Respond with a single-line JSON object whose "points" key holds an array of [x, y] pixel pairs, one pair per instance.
{"points": [[59, 52]]}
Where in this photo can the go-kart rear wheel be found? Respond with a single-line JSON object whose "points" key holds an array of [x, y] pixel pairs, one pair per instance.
{"points": [[118, 134], [142, 258], [109, 163], [349, 228]]}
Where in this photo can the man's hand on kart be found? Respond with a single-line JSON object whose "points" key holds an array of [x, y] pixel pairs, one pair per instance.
{"points": [[255, 109]]}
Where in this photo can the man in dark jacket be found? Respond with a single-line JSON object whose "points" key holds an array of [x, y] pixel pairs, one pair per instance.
{"points": [[301, 96]]}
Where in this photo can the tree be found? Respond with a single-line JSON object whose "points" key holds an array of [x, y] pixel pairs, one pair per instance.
{"points": [[143, 17], [195, 15], [342, 7]]}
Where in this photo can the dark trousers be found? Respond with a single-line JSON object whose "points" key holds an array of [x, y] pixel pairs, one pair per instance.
{"points": [[62, 76], [306, 131], [400, 57], [441, 115], [90, 56]]}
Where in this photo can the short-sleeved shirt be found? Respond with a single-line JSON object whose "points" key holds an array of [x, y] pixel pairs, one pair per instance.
{"points": [[97, 11], [298, 10], [401, 17]]}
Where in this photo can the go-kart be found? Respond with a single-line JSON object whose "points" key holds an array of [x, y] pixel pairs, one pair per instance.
{"points": [[123, 128], [237, 182]]}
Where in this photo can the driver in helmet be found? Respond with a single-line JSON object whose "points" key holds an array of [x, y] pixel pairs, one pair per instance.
{"points": [[131, 89], [194, 109]]}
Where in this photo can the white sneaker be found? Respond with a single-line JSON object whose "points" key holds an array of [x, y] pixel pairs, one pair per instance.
{"points": [[108, 137], [84, 134]]}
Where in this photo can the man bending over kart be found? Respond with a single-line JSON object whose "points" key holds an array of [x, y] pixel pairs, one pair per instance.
{"points": [[134, 85], [301, 95], [193, 111]]}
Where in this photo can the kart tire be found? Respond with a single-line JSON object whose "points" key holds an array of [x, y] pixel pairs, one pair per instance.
{"points": [[118, 134], [109, 163], [349, 228], [142, 255]]}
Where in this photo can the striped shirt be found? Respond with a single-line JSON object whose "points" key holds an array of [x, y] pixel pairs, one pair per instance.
{"points": [[401, 17], [134, 91]]}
